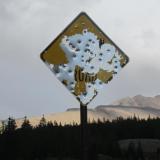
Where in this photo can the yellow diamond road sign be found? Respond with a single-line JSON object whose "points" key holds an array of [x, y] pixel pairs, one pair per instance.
{"points": [[83, 58]]}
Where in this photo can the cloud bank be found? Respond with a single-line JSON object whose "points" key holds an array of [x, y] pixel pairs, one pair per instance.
{"points": [[26, 27]]}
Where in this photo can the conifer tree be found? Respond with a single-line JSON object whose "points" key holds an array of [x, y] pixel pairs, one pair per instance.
{"points": [[11, 125], [43, 122], [26, 124], [49, 124], [55, 123], [2, 127]]}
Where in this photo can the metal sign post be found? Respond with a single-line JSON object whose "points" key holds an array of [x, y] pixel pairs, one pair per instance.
{"points": [[84, 59], [84, 131]]}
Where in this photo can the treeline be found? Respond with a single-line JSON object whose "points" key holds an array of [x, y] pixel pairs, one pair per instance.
{"points": [[49, 139]]}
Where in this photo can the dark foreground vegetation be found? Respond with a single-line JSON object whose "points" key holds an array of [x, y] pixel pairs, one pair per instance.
{"points": [[54, 140]]}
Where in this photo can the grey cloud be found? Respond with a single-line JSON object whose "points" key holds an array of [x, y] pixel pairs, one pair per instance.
{"points": [[26, 27]]}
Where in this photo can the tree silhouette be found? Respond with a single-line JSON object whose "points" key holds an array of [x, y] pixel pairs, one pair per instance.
{"points": [[26, 124], [55, 140], [2, 129], [49, 124], [11, 125], [55, 123], [43, 122]]}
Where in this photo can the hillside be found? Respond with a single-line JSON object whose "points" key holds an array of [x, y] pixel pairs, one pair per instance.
{"points": [[140, 106]]}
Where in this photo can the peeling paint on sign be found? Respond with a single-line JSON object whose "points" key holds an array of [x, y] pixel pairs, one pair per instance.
{"points": [[83, 58]]}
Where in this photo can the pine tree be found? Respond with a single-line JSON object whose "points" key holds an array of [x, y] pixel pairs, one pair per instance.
{"points": [[55, 123], [2, 129], [43, 122], [99, 121], [11, 125], [94, 121], [26, 124], [49, 124], [60, 124], [104, 120]]}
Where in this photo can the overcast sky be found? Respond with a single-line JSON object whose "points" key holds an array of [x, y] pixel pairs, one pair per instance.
{"points": [[29, 88]]}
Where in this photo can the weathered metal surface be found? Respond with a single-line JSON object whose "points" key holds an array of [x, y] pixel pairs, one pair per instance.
{"points": [[83, 58]]}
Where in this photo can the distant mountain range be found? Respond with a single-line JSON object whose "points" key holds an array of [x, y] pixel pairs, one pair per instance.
{"points": [[140, 106], [139, 101]]}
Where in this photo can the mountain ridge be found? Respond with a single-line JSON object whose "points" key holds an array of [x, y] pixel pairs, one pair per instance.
{"points": [[139, 100], [139, 106]]}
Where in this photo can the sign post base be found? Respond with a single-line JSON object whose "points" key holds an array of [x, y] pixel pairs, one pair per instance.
{"points": [[84, 131]]}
